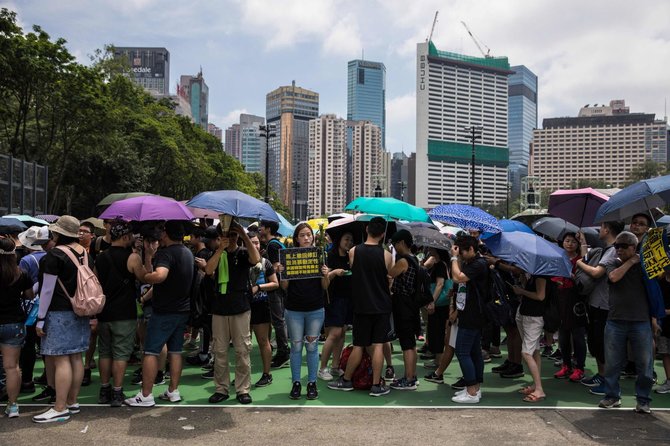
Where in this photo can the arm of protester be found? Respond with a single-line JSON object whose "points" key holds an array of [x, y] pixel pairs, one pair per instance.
{"points": [[617, 274], [325, 278], [254, 255], [46, 294], [538, 294], [135, 266], [213, 261], [595, 272], [400, 267]]}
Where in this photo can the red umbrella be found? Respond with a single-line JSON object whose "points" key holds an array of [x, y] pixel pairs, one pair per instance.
{"points": [[578, 206]]}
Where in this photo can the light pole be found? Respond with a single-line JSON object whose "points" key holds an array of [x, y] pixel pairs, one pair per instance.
{"points": [[403, 186], [474, 134], [267, 132]]}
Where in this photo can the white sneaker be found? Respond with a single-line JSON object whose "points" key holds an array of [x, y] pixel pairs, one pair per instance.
{"points": [[461, 392], [324, 374], [52, 415], [140, 400], [664, 388], [74, 408], [173, 397], [466, 398]]}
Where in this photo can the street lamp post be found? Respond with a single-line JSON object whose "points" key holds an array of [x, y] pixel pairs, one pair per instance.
{"points": [[267, 132], [473, 138], [403, 186]]}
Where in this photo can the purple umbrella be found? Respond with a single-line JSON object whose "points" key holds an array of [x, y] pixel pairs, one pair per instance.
{"points": [[578, 206], [148, 207]]}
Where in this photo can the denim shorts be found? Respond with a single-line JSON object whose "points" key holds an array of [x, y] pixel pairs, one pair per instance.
{"points": [[165, 328], [65, 333], [12, 335]]}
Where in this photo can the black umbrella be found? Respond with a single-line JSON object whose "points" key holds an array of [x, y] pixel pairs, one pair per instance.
{"points": [[555, 229], [427, 235]]}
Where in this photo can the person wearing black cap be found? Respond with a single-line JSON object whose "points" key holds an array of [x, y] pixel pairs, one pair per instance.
{"points": [[406, 319]]}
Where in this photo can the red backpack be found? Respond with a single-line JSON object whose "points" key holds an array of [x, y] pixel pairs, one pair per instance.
{"points": [[362, 377], [88, 299]]}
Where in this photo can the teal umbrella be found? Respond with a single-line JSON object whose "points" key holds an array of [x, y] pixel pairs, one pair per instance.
{"points": [[388, 207]]}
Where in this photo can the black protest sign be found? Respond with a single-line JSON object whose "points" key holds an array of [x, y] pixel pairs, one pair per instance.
{"points": [[300, 263]]}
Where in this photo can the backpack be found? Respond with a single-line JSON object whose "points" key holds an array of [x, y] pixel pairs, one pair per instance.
{"points": [[198, 299], [88, 298], [362, 377], [422, 285], [552, 315], [498, 308], [585, 283]]}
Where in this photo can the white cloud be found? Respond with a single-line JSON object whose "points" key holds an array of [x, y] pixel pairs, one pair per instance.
{"points": [[401, 122], [230, 118], [343, 38]]}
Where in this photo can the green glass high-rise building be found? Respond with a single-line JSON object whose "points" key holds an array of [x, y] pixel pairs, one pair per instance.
{"points": [[366, 93]]}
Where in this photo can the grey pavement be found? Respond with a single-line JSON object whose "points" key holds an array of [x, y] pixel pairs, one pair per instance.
{"points": [[344, 426]]}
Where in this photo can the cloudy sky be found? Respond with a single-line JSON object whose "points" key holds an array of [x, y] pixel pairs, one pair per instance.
{"points": [[583, 51]]}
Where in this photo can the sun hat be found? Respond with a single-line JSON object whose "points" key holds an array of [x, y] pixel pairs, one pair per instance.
{"points": [[31, 237], [66, 225]]}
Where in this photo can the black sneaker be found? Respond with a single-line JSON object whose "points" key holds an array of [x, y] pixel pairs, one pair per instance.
{"points": [[312, 392], [427, 355], [218, 397], [86, 381], [379, 389], [295, 391], [209, 374], [117, 398], [423, 349], [502, 367], [279, 361], [265, 380], [47, 395], [434, 378], [137, 379], [556, 355], [105, 395], [41, 380], [547, 351], [459, 385], [160, 378], [28, 387], [244, 398], [341, 384], [389, 373], [197, 360], [514, 371]]}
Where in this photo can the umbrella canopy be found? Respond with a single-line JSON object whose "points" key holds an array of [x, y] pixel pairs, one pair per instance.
{"points": [[11, 225], [510, 226], [29, 220], [314, 223], [356, 226], [48, 217], [285, 227], [334, 217], [235, 203], [201, 213], [466, 217], [146, 208], [555, 228], [111, 198], [578, 206], [636, 198], [426, 235], [531, 253], [388, 207]]}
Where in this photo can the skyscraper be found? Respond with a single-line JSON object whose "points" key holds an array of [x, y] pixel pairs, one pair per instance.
{"points": [[522, 121], [197, 92], [149, 67], [252, 154], [366, 93], [235, 138], [289, 109], [454, 94], [233, 142], [327, 165], [214, 130], [367, 161]]}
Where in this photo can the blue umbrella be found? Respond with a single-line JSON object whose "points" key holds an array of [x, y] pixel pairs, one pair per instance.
{"points": [[466, 217], [11, 225], [235, 203], [285, 227], [510, 226], [636, 198], [531, 253]]}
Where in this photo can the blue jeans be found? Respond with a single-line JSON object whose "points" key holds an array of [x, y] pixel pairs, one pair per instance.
{"points": [[617, 336], [469, 354], [303, 324]]}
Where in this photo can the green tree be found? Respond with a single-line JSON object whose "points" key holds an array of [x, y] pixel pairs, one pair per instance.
{"points": [[648, 169]]}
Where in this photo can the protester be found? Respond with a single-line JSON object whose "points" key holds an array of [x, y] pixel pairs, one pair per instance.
{"points": [[86, 234]]}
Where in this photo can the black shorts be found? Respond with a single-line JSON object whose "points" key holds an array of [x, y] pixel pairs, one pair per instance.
{"points": [[371, 329], [260, 312], [407, 327], [339, 312]]}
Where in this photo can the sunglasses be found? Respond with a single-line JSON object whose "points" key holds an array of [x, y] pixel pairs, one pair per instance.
{"points": [[622, 245]]}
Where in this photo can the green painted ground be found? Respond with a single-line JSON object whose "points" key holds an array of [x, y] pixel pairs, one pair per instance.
{"points": [[497, 392]]}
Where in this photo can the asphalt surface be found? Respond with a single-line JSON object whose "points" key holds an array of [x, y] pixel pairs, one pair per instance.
{"points": [[345, 426]]}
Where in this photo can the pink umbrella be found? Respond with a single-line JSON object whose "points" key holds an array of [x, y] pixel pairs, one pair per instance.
{"points": [[200, 212], [578, 206]]}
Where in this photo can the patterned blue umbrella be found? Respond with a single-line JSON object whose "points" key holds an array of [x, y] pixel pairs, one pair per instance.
{"points": [[466, 217]]}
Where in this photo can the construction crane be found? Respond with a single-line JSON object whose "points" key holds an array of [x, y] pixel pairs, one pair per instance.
{"points": [[430, 37], [486, 54]]}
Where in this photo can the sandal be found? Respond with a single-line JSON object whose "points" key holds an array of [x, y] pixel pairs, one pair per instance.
{"points": [[527, 390], [532, 398]]}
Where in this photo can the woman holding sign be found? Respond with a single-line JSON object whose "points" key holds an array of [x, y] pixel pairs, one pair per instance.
{"points": [[304, 317]]}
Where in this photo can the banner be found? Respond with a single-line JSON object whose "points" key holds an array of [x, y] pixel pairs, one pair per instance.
{"points": [[655, 258], [300, 263]]}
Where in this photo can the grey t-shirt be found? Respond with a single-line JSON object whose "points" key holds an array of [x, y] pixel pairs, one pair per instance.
{"points": [[600, 295], [628, 296]]}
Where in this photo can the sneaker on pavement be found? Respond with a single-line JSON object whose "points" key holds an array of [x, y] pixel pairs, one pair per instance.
{"points": [[173, 397], [486, 357], [198, 359], [577, 375], [296, 390], [460, 392], [209, 374], [279, 362], [336, 372], [266, 380], [663, 388], [643, 408], [12, 410], [117, 398], [513, 371], [86, 381], [341, 384], [51, 416], [427, 355], [609, 403], [403, 384], [389, 373], [459, 385], [556, 354], [430, 365], [593, 381], [547, 351], [502, 367], [324, 374], [74, 409], [598, 390], [466, 398], [494, 352], [312, 391], [47, 395], [379, 390], [105, 395], [161, 377], [434, 378], [564, 373], [140, 400]]}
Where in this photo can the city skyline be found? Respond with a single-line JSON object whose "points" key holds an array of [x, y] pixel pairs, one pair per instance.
{"points": [[581, 52]]}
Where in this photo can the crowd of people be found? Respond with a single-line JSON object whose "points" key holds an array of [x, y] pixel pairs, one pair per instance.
{"points": [[222, 286]]}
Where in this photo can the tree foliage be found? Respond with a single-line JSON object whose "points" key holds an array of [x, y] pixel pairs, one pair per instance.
{"points": [[98, 132]]}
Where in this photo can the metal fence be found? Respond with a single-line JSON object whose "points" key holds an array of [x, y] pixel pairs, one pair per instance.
{"points": [[23, 186]]}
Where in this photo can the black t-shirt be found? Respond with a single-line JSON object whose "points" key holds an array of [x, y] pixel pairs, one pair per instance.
{"points": [[439, 269], [403, 290], [665, 289], [340, 286], [272, 250], [173, 294], [304, 295], [532, 307], [57, 263], [238, 292], [369, 281], [117, 283], [11, 299], [472, 315]]}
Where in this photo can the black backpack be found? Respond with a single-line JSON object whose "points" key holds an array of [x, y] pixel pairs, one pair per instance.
{"points": [[498, 307], [422, 294], [198, 297], [552, 315]]}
